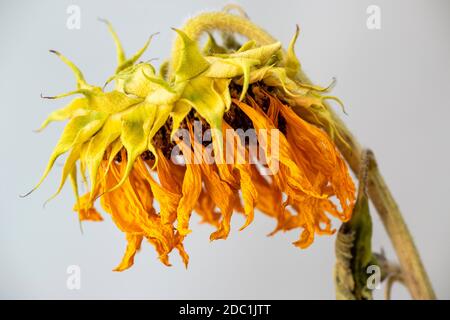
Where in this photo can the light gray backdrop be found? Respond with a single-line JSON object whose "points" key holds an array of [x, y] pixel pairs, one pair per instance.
{"points": [[394, 82]]}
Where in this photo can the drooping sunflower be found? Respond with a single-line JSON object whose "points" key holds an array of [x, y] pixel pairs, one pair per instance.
{"points": [[124, 141]]}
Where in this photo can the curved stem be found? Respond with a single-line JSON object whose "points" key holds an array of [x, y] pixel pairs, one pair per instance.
{"points": [[415, 276]]}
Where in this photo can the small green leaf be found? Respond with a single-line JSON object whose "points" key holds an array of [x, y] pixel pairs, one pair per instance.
{"points": [[98, 145], [81, 82], [76, 107], [110, 102], [263, 53], [69, 166], [162, 92], [162, 114], [292, 64], [179, 112], [251, 44], [119, 48], [135, 82], [202, 96], [211, 47]]}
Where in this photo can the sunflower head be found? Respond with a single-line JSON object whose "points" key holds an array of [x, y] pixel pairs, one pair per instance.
{"points": [[124, 143]]}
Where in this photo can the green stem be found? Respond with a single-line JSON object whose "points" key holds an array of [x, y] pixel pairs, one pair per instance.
{"points": [[413, 271]]}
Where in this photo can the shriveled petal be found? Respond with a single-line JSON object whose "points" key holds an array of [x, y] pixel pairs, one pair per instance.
{"points": [[86, 210], [76, 107]]}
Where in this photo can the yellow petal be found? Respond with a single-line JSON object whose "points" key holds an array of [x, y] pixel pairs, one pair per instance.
{"points": [[110, 102], [229, 67], [163, 93], [232, 67]]}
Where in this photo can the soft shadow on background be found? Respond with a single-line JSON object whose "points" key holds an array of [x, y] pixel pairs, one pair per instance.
{"points": [[394, 83]]}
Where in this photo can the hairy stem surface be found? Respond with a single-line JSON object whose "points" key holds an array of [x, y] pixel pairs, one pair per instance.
{"points": [[415, 276]]}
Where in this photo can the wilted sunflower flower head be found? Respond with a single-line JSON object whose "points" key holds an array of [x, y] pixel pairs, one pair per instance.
{"points": [[138, 144]]}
